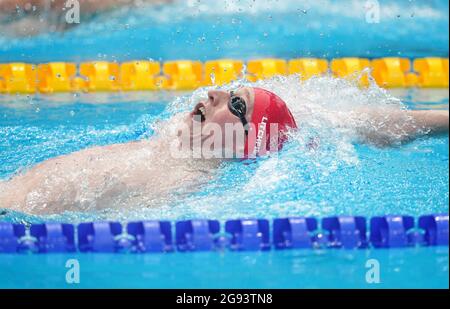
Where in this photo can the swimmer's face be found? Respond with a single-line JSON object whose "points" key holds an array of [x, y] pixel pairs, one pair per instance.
{"points": [[215, 108], [214, 117]]}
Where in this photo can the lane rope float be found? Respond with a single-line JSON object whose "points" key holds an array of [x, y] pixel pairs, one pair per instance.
{"points": [[145, 75], [346, 232]]}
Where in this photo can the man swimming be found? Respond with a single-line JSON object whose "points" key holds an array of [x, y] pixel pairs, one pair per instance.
{"points": [[241, 124], [32, 17]]}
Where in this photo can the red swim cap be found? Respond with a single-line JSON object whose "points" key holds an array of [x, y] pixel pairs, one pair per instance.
{"points": [[269, 109]]}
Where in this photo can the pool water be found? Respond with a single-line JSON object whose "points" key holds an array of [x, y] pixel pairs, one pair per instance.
{"points": [[409, 179], [245, 29], [345, 177], [399, 268]]}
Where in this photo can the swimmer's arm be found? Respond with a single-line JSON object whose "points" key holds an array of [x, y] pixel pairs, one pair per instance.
{"points": [[385, 128], [86, 6], [435, 121]]}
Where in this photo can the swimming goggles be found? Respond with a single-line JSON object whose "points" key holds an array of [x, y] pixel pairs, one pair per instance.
{"points": [[237, 107]]}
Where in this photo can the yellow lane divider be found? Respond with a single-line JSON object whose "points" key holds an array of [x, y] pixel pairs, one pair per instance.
{"points": [[187, 75], [350, 67], [183, 74], [224, 71], [139, 75], [56, 77], [433, 72], [265, 68], [18, 77], [100, 76], [393, 72], [308, 67]]}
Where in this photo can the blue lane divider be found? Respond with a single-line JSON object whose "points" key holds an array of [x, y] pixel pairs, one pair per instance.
{"points": [[436, 229], [10, 235], [53, 237], [151, 236], [291, 233], [99, 236], [197, 235], [392, 231], [248, 234], [347, 232]]}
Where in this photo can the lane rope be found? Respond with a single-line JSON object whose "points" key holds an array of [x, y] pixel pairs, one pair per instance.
{"points": [[346, 232], [146, 75]]}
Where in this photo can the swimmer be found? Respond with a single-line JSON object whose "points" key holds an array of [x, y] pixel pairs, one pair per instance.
{"points": [[146, 173], [31, 17]]}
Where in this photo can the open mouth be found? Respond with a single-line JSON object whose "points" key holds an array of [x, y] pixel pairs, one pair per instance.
{"points": [[199, 112]]}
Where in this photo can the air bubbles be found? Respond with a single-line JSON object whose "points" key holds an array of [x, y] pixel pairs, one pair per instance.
{"points": [[302, 12]]}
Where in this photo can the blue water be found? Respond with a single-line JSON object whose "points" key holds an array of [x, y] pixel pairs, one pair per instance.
{"points": [[408, 179], [233, 28], [404, 268]]}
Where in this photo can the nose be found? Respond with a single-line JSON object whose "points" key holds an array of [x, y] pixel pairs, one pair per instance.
{"points": [[216, 97]]}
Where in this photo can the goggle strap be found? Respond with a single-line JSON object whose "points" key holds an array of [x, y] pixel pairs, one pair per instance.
{"points": [[245, 124]]}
